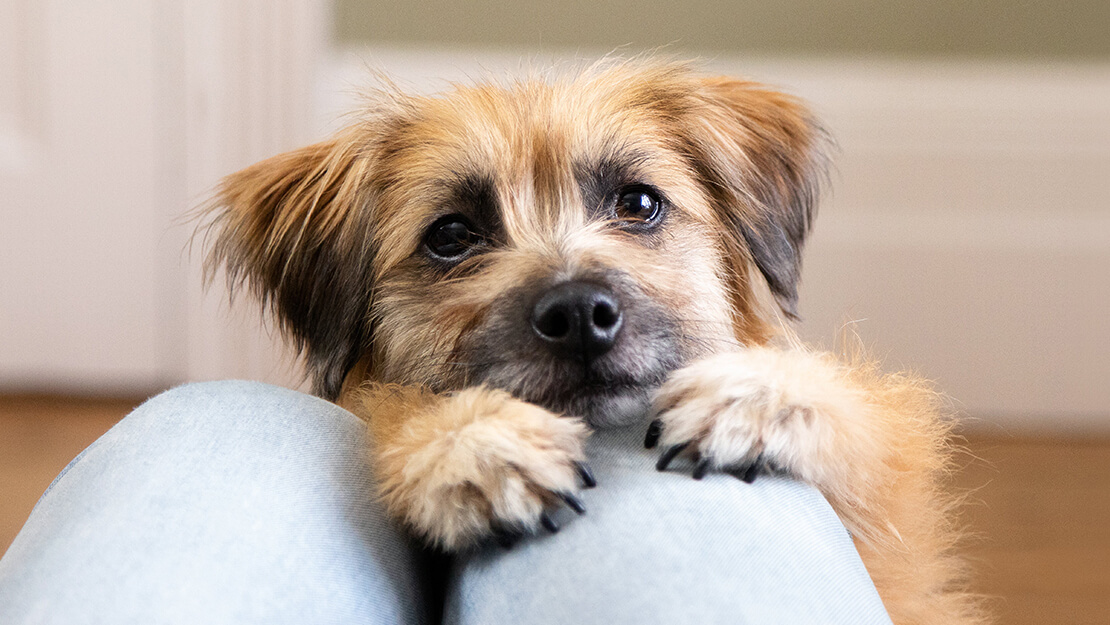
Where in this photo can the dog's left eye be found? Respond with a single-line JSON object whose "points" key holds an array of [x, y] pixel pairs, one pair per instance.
{"points": [[638, 203], [451, 237]]}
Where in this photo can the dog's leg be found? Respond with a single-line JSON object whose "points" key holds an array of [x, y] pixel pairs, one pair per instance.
{"points": [[874, 445], [459, 467]]}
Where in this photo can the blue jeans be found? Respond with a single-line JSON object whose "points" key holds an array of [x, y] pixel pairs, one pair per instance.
{"points": [[238, 502]]}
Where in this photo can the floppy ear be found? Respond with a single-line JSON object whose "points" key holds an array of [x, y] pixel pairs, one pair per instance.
{"points": [[295, 229], [763, 158]]}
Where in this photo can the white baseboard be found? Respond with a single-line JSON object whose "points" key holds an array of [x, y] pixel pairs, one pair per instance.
{"points": [[968, 229]]}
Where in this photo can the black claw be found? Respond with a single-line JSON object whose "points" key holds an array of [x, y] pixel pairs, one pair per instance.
{"points": [[750, 472], [668, 455], [654, 431], [586, 474], [701, 468], [573, 502], [549, 523]]}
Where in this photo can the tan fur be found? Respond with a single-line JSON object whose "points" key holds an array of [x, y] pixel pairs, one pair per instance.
{"points": [[450, 464], [467, 430]]}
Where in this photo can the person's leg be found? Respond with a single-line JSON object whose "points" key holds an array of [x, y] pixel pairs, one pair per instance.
{"points": [[665, 548], [224, 502]]}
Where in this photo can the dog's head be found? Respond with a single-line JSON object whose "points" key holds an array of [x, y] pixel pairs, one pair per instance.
{"points": [[570, 241]]}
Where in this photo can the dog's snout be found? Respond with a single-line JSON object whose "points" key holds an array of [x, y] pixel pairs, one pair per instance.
{"points": [[577, 319]]}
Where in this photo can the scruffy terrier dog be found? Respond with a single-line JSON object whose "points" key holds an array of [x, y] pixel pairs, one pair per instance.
{"points": [[487, 274]]}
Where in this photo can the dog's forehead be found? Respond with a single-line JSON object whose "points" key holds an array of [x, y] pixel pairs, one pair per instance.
{"points": [[513, 131], [544, 153]]}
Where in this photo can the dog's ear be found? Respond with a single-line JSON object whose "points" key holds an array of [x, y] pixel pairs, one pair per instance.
{"points": [[763, 159], [295, 230]]}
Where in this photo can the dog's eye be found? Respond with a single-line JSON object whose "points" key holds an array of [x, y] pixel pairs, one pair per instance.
{"points": [[451, 237], [638, 204]]}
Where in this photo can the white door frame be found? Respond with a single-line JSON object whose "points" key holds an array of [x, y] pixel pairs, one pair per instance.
{"points": [[116, 118]]}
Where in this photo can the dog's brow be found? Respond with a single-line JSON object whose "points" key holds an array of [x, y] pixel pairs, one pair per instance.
{"points": [[475, 195]]}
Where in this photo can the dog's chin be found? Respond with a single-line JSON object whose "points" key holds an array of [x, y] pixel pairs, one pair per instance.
{"points": [[602, 406], [610, 408], [602, 403]]}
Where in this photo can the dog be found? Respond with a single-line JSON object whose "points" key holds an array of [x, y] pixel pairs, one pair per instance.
{"points": [[487, 274]]}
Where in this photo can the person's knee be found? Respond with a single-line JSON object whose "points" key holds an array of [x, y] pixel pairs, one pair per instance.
{"points": [[223, 402], [237, 434], [229, 394], [217, 487], [720, 549]]}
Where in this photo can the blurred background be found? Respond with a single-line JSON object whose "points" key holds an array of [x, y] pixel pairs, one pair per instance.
{"points": [[966, 236]]}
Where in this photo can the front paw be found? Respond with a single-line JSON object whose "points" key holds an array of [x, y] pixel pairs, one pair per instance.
{"points": [[480, 463], [743, 412]]}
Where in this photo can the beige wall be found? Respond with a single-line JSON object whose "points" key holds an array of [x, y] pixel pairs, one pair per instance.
{"points": [[1074, 29]]}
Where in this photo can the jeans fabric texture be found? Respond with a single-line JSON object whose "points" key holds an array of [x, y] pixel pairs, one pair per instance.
{"points": [[239, 502]]}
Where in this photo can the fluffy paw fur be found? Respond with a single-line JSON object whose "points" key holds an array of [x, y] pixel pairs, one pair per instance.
{"points": [[754, 408], [462, 467]]}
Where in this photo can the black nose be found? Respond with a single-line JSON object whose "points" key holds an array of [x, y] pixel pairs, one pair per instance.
{"points": [[577, 319]]}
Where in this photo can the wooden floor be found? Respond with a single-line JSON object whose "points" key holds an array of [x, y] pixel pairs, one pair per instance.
{"points": [[38, 438], [1040, 508], [1041, 512]]}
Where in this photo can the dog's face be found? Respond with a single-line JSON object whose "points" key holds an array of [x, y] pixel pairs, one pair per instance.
{"points": [[571, 242]]}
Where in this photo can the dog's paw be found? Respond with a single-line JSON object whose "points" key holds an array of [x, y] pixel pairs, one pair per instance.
{"points": [[480, 464], [745, 412]]}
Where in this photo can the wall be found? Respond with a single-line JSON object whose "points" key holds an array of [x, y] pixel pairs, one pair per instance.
{"points": [[1074, 29], [115, 122]]}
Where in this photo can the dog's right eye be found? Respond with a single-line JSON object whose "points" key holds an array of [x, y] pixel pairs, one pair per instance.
{"points": [[451, 237]]}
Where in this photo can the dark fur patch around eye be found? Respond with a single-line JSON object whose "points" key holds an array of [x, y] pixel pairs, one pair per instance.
{"points": [[475, 196], [599, 181]]}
